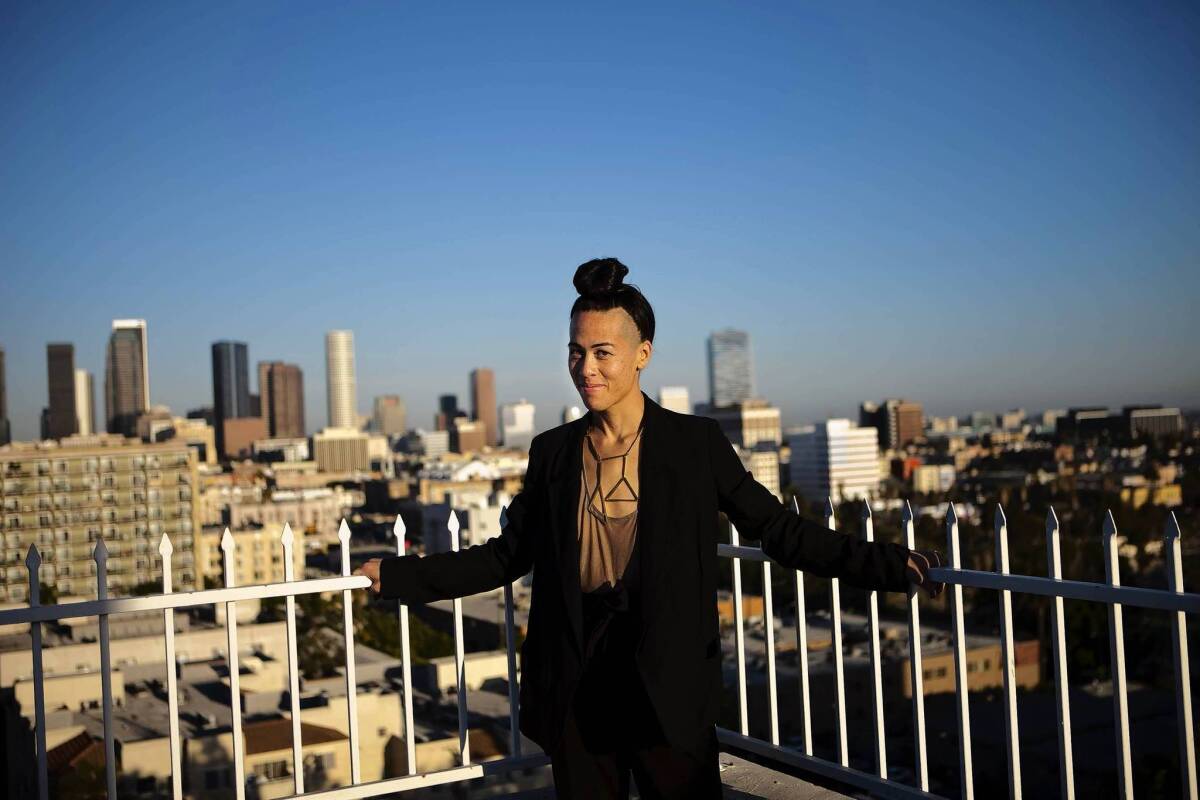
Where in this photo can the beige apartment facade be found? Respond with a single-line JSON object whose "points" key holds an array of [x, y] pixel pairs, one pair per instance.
{"points": [[258, 554], [65, 496]]}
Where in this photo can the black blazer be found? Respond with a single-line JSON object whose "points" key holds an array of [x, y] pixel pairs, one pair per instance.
{"points": [[688, 471]]}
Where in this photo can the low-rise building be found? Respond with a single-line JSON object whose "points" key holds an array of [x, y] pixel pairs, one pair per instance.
{"points": [[342, 450]]}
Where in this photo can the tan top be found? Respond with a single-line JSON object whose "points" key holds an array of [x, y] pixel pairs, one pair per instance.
{"points": [[608, 503]]}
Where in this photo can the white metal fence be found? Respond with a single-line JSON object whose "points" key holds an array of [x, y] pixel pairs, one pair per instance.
{"points": [[1173, 600], [1111, 593], [103, 607]]}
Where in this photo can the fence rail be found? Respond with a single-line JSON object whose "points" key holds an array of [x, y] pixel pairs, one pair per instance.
{"points": [[1172, 599]]}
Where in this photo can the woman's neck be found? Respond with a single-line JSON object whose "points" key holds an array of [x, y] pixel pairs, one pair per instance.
{"points": [[621, 419]]}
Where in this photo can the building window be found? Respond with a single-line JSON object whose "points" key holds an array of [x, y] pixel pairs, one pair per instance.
{"points": [[273, 770]]}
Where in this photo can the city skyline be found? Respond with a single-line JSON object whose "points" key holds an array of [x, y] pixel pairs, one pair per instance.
{"points": [[935, 407], [975, 208]]}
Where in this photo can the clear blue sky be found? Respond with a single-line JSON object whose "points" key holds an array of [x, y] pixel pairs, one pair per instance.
{"points": [[972, 205]]}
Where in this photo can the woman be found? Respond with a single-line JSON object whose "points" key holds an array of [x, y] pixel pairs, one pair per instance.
{"points": [[618, 518]]}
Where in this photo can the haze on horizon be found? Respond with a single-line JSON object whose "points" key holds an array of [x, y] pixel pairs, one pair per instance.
{"points": [[975, 207]]}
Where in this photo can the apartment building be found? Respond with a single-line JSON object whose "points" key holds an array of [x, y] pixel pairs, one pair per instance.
{"points": [[64, 496]]}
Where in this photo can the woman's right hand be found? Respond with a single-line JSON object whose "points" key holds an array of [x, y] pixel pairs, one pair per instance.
{"points": [[371, 570]]}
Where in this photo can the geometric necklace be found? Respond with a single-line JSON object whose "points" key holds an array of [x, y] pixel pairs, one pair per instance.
{"points": [[629, 494]]}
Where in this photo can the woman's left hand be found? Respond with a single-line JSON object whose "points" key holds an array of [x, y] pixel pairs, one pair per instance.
{"points": [[919, 564]]}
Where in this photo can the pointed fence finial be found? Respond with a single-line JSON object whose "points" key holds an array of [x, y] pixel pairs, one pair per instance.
{"points": [[165, 549], [227, 547], [452, 523], [398, 529], [288, 540], [1053, 551], [906, 527], [952, 537], [1000, 524], [344, 538], [1112, 564], [868, 523], [100, 556], [1109, 528], [1172, 527], [33, 559]]}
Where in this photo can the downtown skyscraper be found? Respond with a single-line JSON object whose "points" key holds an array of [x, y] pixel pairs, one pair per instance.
{"points": [[341, 390], [85, 408], [390, 415], [62, 418], [126, 376], [231, 385], [281, 398], [730, 368], [483, 403]]}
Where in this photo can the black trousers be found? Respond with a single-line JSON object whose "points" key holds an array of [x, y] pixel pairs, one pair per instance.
{"points": [[661, 771]]}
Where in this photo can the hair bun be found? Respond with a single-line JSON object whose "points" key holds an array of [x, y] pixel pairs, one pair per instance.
{"points": [[600, 276]]}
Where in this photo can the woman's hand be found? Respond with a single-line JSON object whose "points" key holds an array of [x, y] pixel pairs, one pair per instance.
{"points": [[919, 564], [371, 570]]}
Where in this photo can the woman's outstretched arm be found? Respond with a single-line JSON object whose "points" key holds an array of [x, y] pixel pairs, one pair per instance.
{"points": [[503, 559], [803, 544]]}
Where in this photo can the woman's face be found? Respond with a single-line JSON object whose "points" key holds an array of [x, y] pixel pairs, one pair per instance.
{"points": [[604, 357]]}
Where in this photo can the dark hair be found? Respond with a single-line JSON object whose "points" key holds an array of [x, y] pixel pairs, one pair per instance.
{"points": [[600, 283]]}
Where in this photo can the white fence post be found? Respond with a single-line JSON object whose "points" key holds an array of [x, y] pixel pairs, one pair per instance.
{"points": [[510, 645], [916, 670], [802, 652], [164, 550], [868, 534], [962, 704], [410, 741], [235, 686], [100, 554], [288, 542], [351, 677], [769, 644], [1116, 645], [460, 659], [835, 625], [1058, 633], [1183, 674], [32, 561], [1008, 659], [739, 636]]}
